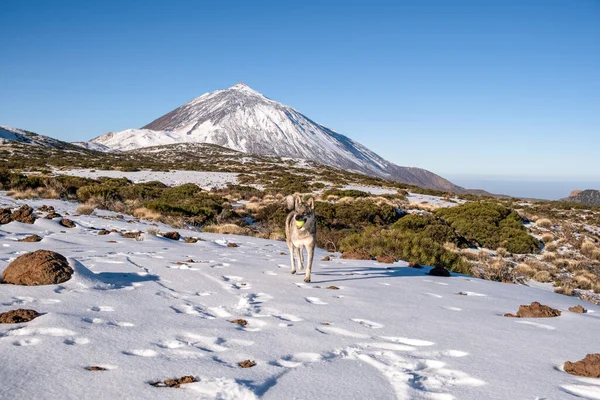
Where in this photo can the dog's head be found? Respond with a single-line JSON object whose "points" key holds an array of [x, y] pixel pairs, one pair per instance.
{"points": [[303, 211]]}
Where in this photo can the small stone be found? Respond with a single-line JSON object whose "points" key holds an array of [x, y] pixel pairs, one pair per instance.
{"points": [[333, 287], [31, 239], [231, 244], [241, 322], [439, 271], [172, 235], [67, 223], [132, 235], [95, 368], [326, 258], [103, 232], [578, 309], [247, 364]]}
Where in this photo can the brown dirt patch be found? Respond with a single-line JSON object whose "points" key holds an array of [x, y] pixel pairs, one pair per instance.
{"points": [[385, 259], [31, 239], [589, 366], [42, 267], [171, 235], [67, 223], [356, 254], [247, 364], [333, 287], [18, 316], [96, 368], [241, 322], [232, 244], [439, 271], [578, 309], [24, 215], [535, 310], [175, 383]]}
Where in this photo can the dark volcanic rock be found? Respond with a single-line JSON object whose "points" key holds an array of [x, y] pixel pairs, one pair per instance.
{"points": [[18, 316], [587, 197], [24, 214], [5, 215], [67, 223], [42, 267], [172, 235], [439, 271]]}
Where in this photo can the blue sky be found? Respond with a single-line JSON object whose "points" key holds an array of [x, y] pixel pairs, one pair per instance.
{"points": [[479, 88]]}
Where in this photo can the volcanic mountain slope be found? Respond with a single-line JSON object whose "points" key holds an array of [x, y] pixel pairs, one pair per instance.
{"points": [[14, 137], [242, 119], [589, 197]]}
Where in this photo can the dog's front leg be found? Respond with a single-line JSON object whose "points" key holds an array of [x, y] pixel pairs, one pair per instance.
{"points": [[301, 258], [292, 251], [310, 252]]}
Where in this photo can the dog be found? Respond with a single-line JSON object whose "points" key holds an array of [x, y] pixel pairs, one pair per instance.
{"points": [[301, 233]]}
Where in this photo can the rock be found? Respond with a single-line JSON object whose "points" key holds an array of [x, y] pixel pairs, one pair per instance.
{"points": [[241, 322], [45, 208], [439, 271], [52, 215], [326, 258], [385, 259], [356, 254], [31, 239], [231, 244], [575, 193], [18, 316], [172, 235], [175, 383], [589, 366], [95, 368], [332, 287], [578, 309], [247, 364], [67, 223], [42, 267], [5, 215], [191, 240], [132, 235], [414, 265], [282, 253], [535, 310], [103, 232], [24, 215]]}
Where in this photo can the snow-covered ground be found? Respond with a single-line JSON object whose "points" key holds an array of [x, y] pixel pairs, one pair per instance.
{"points": [[370, 189], [435, 201], [146, 313], [205, 180]]}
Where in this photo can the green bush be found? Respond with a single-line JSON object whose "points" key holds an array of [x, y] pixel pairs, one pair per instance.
{"points": [[490, 225], [428, 226], [404, 245], [345, 193]]}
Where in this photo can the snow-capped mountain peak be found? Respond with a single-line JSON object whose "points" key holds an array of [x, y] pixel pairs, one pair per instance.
{"points": [[243, 119]]}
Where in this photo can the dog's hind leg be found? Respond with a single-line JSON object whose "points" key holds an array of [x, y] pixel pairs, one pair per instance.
{"points": [[310, 252]]}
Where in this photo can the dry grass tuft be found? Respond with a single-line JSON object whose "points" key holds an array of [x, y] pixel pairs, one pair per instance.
{"points": [[587, 248], [544, 223], [147, 214], [38, 193], [551, 247], [542, 276], [547, 237], [85, 209], [226, 229], [525, 270]]}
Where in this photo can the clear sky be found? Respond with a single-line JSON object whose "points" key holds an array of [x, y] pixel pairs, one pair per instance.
{"points": [[506, 88]]}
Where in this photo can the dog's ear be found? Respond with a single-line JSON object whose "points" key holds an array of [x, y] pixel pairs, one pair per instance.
{"points": [[311, 203], [298, 202], [290, 202]]}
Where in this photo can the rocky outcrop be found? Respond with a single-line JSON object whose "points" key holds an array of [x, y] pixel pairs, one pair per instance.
{"points": [[535, 310], [588, 367], [587, 197], [18, 316], [24, 214]]}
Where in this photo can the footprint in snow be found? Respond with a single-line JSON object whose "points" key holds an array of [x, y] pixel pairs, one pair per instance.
{"points": [[368, 324], [315, 300], [298, 359], [27, 342], [102, 309], [76, 341], [270, 273], [141, 353]]}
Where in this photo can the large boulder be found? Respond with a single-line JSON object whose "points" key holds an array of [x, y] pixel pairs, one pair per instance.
{"points": [[589, 366], [24, 214], [42, 267], [535, 310]]}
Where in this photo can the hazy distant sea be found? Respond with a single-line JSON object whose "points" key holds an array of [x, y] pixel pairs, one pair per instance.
{"points": [[538, 188]]}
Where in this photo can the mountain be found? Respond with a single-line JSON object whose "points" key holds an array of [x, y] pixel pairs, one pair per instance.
{"points": [[243, 119], [587, 197], [20, 139]]}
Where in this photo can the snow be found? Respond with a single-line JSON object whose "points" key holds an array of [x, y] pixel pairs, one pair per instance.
{"points": [[206, 180], [435, 201], [141, 310], [370, 189]]}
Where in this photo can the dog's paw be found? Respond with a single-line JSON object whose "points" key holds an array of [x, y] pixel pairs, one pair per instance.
{"points": [[293, 271], [307, 279]]}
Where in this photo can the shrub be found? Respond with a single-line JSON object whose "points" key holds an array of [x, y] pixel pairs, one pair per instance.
{"points": [[85, 209], [587, 248], [544, 223], [525, 270], [547, 237], [345, 193], [491, 225], [404, 245], [551, 247], [542, 276]]}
